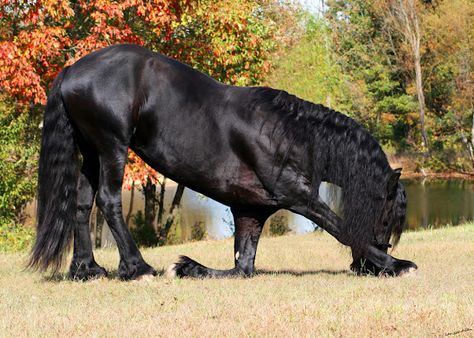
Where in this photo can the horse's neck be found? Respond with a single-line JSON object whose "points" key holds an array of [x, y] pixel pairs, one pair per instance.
{"points": [[349, 172]]}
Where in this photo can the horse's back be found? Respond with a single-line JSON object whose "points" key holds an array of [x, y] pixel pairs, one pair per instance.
{"points": [[107, 91]]}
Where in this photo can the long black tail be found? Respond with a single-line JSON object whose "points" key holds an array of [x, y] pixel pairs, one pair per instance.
{"points": [[57, 185]]}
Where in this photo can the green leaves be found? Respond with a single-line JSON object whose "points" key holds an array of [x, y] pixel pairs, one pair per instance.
{"points": [[19, 134], [308, 69]]}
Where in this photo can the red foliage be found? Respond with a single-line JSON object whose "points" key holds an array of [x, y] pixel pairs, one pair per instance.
{"points": [[37, 38]]}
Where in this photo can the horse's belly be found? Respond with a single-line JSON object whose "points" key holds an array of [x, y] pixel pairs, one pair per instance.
{"points": [[216, 173]]}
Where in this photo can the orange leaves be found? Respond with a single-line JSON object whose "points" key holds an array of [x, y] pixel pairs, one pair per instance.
{"points": [[17, 76], [27, 60], [29, 52], [56, 9], [137, 170], [223, 38], [218, 37]]}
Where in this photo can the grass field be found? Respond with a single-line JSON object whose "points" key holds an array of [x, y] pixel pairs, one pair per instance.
{"points": [[304, 289]]}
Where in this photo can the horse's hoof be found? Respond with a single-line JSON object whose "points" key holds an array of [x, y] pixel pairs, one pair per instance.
{"points": [[404, 268], [85, 271], [399, 268], [183, 267], [135, 270]]}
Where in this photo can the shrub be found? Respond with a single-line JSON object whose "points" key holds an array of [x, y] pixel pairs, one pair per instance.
{"points": [[15, 237], [279, 225], [19, 147], [143, 234], [198, 231]]}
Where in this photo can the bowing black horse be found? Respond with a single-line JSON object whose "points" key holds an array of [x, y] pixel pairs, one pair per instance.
{"points": [[255, 149]]}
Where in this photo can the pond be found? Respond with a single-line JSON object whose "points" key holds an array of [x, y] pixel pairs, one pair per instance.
{"points": [[431, 203], [434, 203]]}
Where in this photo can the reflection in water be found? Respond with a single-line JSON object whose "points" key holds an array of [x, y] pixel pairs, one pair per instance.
{"points": [[431, 203], [219, 221], [439, 202]]}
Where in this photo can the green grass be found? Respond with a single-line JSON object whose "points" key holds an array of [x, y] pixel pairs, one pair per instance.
{"points": [[305, 290]]}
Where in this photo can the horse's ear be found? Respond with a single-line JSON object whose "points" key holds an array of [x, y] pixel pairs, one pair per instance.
{"points": [[392, 183]]}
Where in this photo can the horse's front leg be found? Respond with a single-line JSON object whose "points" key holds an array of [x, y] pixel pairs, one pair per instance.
{"points": [[369, 260], [377, 261], [248, 227], [324, 217]]}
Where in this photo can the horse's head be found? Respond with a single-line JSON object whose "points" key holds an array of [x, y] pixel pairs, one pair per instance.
{"points": [[392, 219]]}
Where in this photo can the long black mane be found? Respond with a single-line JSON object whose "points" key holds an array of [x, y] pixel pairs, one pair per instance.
{"points": [[343, 152]]}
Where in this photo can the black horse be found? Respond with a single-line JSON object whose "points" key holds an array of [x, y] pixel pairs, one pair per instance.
{"points": [[255, 149]]}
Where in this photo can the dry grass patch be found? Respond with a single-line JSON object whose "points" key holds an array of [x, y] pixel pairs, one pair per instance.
{"points": [[304, 289]]}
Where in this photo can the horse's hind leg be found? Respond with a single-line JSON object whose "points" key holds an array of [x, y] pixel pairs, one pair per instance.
{"points": [[83, 265], [109, 200], [248, 227]]}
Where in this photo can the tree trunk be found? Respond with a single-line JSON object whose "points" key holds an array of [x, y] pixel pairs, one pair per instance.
{"points": [[472, 130], [149, 190], [404, 14], [93, 223], [130, 205], [99, 225], [414, 35], [161, 202], [421, 102], [464, 138], [164, 229]]}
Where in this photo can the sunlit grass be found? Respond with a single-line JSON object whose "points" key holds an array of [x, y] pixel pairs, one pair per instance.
{"points": [[304, 289]]}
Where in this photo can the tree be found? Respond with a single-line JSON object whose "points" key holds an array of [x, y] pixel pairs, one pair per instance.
{"points": [[449, 39], [150, 180], [396, 51], [376, 85], [307, 68], [18, 159], [403, 17]]}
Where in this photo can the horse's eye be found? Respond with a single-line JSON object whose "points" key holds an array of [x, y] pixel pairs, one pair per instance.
{"points": [[385, 224]]}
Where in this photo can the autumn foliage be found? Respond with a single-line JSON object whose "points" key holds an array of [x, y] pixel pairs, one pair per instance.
{"points": [[226, 39]]}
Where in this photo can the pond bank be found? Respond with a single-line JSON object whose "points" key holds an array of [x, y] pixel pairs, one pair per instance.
{"points": [[410, 169]]}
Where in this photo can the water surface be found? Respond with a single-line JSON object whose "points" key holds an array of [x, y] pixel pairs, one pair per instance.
{"points": [[435, 202], [431, 203]]}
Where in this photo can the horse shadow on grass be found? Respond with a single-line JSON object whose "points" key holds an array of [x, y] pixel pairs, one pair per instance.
{"points": [[302, 273], [66, 277], [113, 274]]}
